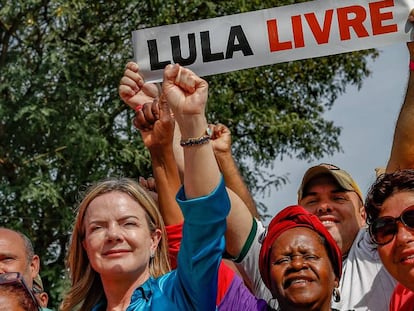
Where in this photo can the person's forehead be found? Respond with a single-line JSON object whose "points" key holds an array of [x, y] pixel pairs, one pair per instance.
{"points": [[120, 202], [11, 242], [299, 231], [397, 203], [298, 236], [322, 180]]}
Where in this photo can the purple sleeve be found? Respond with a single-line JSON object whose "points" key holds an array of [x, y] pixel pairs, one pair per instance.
{"points": [[239, 297]]}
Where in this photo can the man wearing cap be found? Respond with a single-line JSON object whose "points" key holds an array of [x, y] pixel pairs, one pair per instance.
{"points": [[325, 188], [330, 193]]}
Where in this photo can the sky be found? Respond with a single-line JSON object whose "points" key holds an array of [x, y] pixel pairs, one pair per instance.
{"points": [[367, 118]]}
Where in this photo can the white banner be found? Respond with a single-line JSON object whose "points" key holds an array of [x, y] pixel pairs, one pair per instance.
{"points": [[276, 35]]}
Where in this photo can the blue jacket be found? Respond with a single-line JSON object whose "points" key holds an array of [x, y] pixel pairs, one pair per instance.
{"points": [[193, 285]]}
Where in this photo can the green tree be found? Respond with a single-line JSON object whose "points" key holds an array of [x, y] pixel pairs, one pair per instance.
{"points": [[62, 124]]}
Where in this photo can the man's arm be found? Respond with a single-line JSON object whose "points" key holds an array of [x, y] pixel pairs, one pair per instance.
{"points": [[221, 139], [402, 151], [157, 127], [243, 207]]}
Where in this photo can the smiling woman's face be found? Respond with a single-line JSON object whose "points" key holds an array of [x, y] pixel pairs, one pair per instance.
{"points": [[398, 255], [301, 271], [117, 236]]}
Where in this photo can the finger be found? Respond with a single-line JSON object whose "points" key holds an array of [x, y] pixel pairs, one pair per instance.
{"points": [[216, 131], [178, 76], [138, 124], [126, 92], [154, 196], [132, 66], [190, 82], [147, 110], [223, 128], [201, 86], [131, 83], [186, 79], [143, 182], [155, 109], [151, 90], [170, 74], [219, 127], [142, 126], [152, 184], [159, 88], [140, 121], [164, 109], [134, 76], [132, 71]]}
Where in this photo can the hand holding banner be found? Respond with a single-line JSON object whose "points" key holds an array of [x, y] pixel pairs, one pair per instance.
{"points": [[270, 36]]}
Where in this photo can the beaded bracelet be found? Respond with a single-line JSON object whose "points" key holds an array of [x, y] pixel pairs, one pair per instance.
{"points": [[194, 141]]}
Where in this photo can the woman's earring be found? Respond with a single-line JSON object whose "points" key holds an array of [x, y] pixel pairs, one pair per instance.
{"points": [[336, 295]]}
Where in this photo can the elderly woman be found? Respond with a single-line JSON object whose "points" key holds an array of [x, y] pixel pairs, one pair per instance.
{"points": [[300, 262], [390, 214], [118, 257]]}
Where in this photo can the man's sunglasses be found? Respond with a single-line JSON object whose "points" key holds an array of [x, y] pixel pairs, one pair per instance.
{"points": [[15, 278], [383, 229]]}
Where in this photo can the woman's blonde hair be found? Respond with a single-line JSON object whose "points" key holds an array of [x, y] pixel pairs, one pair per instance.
{"points": [[86, 287]]}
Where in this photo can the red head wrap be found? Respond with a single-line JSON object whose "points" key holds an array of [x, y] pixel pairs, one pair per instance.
{"points": [[292, 217]]}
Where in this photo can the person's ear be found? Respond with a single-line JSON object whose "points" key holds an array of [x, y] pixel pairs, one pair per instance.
{"points": [[336, 281], [156, 238], [34, 266], [362, 212], [43, 298]]}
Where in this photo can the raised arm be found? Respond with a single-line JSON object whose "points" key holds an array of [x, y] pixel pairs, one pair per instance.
{"points": [[221, 139], [203, 199], [156, 126], [243, 207], [189, 112], [187, 95], [402, 151], [135, 92]]}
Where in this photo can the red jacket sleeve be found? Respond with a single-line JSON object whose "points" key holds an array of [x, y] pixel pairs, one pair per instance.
{"points": [[174, 234], [225, 273]]}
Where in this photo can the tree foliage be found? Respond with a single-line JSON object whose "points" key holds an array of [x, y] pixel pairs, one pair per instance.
{"points": [[62, 124]]}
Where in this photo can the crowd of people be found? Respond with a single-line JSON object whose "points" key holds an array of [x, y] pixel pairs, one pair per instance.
{"points": [[191, 237]]}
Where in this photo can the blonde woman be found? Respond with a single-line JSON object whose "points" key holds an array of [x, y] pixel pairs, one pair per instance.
{"points": [[118, 257]]}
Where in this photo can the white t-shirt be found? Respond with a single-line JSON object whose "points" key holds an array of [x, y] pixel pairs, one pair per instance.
{"points": [[364, 284]]}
